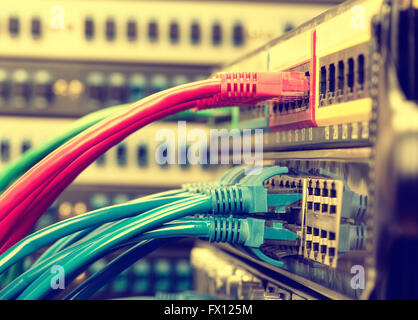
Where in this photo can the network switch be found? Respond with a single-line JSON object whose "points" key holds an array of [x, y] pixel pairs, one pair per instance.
{"points": [[162, 32], [338, 107], [46, 88], [133, 162]]}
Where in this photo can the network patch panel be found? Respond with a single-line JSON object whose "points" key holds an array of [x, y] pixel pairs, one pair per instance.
{"points": [[47, 88], [329, 219], [338, 108], [164, 32], [131, 163], [219, 275]]}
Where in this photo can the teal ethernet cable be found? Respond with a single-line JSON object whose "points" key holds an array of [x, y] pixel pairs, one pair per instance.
{"points": [[16, 168], [218, 229], [124, 231], [40, 287], [62, 243], [50, 234]]}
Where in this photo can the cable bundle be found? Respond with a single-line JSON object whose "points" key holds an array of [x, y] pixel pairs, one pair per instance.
{"points": [[139, 224]]}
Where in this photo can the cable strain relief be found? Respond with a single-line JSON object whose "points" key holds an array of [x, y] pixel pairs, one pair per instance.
{"points": [[228, 200], [227, 229]]}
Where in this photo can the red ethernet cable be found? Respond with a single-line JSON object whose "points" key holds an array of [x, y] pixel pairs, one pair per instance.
{"points": [[42, 198], [69, 160]]}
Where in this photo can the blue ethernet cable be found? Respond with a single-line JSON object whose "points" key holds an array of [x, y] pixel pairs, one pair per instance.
{"points": [[86, 289]]}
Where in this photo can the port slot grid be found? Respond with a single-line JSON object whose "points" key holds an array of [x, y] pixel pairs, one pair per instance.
{"points": [[305, 118], [330, 66]]}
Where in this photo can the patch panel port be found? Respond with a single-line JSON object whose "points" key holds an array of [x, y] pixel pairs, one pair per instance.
{"points": [[317, 189], [323, 249], [142, 155], [340, 81], [331, 81], [216, 34], [323, 84], [360, 73], [121, 155], [310, 189], [5, 151], [333, 191], [316, 246], [350, 77]]}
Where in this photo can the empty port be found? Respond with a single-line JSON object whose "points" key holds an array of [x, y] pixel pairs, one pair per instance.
{"points": [[323, 249], [131, 30], [20, 89], [308, 244], [137, 86], [310, 205], [331, 236], [340, 83], [96, 88], [110, 29], [152, 31], [315, 232], [350, 75], [121, 155], [360, 71], [195, 33], [238, 35], [36, 27], [316, 206], [331, 252], [216, 34], [174, 32], [324, 207], [42, 89], [4, 86], [317, 190], [88, 28], [26, 145], [101, 160], [316, 246], [333, 192], [323, 233], [142, 154], [308, 230], [117, 88], [331, 79], [323, 83], [14, 26], [5, 151], [332, 209]]}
